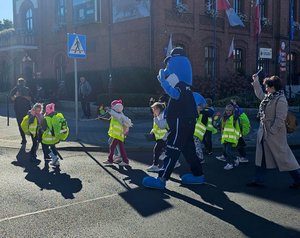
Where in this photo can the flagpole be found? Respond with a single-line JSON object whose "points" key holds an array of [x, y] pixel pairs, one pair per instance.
{"points": [[213, 83], [257, 35], [257, 51], [291, 19], [290, 61]]}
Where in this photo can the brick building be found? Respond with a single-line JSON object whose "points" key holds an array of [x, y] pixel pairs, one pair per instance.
{"points": [[133, 34]]}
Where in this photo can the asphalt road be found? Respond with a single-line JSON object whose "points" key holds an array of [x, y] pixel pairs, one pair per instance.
{"points": [[86, 199]]}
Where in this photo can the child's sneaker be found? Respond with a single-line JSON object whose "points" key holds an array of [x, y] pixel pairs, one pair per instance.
{"points": [[153, 168], [108, 162], [177, 164], [228, 167], [221, 158], [124, 163], [162, 156], [243, 159], [117, 159], [55, 161], [236, 163]]}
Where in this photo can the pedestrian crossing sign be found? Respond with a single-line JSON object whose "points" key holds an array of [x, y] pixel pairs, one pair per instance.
{"points": [[76, 46]]}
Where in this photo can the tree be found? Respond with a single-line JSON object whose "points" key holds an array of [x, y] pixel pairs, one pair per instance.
{"points": [[5, 24]]}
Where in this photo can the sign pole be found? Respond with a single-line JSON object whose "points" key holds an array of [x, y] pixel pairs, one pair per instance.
{"points": [[76, 97], [76, 49]]}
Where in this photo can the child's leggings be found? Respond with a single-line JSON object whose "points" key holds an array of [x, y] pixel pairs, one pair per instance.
{"points": [[112, 148]]}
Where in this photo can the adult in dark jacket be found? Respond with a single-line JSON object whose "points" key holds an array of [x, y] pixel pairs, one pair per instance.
{"points": [[20, 95], [84, 93]]}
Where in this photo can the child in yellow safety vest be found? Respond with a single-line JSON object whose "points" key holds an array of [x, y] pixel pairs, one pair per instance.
{"points": [[31, 125], [51, 129], [160, 132], [208, 113], [230, 134], [118, 130], [200, 126]]}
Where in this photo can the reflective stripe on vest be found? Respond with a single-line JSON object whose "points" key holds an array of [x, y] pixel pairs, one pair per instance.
{"points": [[47, 137], [116, 130], [33, 127], [200, 128], [230, 133], [210, 126], [158, 132]]}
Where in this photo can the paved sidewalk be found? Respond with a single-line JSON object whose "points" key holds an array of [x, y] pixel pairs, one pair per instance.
{"points": [[93, 133]]}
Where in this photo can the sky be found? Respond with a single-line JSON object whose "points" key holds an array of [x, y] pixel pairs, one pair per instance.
{"points": [[6, 9]]}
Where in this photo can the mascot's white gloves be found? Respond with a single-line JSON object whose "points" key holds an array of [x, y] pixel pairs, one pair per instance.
{"points": [[171, 91]]}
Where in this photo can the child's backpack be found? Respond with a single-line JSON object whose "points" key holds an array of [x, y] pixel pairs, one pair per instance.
{"points": [[60, 126], [25, 125], [291, 122], [244, 124]]}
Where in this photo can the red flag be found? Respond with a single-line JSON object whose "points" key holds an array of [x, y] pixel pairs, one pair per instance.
{"points": [[257, 18], [233, 18], [231, 49], [222, 5]]}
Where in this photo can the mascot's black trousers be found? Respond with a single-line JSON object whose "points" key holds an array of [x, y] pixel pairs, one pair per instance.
{"points": [[180, 140]]}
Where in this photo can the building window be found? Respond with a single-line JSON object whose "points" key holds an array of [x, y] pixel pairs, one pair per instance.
{"points": [[130, 9], [181, 6], [60, 11], [293, 61], [209, 61], [86, 11], [29, 20], [209, 5], [237, 6], [238, 61], [263, 9]]}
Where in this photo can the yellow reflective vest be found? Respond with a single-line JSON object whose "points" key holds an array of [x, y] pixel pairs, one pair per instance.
{"points": [[210, 126], [29, 128], [158, 132], [230, 131], [116, 130], [33, 127], [48, 136], [200, 128]]}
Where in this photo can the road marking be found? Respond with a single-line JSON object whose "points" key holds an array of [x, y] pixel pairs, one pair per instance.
{"points": [[56, 208]]}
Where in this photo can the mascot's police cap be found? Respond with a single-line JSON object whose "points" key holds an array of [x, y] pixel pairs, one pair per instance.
{"points": [[177, 51]]}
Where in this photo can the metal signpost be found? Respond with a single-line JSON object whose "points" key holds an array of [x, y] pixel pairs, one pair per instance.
{"points": [[76, 49]]}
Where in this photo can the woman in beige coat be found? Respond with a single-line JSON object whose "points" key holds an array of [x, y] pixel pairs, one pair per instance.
{"points": [[272, 150]]}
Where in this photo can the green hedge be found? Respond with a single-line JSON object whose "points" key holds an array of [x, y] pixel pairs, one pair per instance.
{"points": [[246, 100], [124, 80]]}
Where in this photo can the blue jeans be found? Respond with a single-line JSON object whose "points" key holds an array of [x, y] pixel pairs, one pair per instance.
{"points": [[228, 153]]}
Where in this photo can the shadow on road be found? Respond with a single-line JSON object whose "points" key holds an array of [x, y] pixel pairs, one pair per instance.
{"points": [[223, 208], [46, 179], [144, 201]]}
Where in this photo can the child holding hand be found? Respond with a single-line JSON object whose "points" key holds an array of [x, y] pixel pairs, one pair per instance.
{"points": [[118, 130]]}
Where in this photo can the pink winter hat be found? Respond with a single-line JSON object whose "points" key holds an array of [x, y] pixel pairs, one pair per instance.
{"points": [[50, 108], [115, 102]]}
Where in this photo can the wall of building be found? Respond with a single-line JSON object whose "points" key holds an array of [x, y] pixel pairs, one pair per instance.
{"points": [[141, 42]]}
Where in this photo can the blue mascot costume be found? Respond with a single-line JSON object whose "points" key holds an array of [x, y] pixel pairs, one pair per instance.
{"points": [[181, 115]]}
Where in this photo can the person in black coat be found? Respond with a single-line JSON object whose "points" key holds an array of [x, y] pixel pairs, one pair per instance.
{"points": [[20, 95]]}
